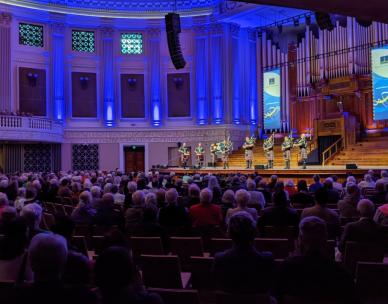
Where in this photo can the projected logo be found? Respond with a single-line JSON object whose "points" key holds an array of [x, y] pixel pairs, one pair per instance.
{"points": [[380, 82], [272, 99]]}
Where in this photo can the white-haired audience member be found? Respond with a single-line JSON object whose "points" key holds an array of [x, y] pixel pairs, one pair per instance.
{"points": [[242, 198], [20, 199], [84, 213], [384, 178], [96, 196], [173, 216], [367, 182], [32, 214], [134, 214], [3, 202], [348, 205], [119, 198], [256, 198], [131, 187], [365, 230], [150, 199], [205, 214]]}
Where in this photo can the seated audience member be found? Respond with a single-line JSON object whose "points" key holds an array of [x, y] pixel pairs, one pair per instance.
{"points": [[242, 269], [381, 215], [205, 213], [75, 192], [279, 214], [118, 197], [336, 185], [272, 183], [83, 213], [118, 280], [3, 203], [384, 178], [64, 190], [302, 198], [150, 199], [290, 188], [8, 214], [132, 187], [20, 199], [12, 252], [78, 271], [96, 197], [365, 229], [149, 225], [333, 195], [380, 197], [348, 205], [320, 210], [31, 196], [65, 226], [32, 214], [316, 184], [228, 200], [47, 256], [256, 199], [173, 216], [367, 182], [311, 276], [134, 214], [214, 186], [262, 187], [107, 215], [161, 198], [242, 198], [193, 195]]}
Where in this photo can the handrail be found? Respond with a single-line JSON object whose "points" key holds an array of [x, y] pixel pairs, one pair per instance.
{"points": [[337, 146]]}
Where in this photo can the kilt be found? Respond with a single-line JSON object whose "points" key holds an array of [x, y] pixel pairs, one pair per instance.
{"points": [[287, 155], [269, 155], [248, 154], [213, 157], [303, 153], [200, 158], [225, 157]]}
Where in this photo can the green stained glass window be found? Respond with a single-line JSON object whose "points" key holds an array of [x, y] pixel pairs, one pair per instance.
{"points": [[83, 41], [132, 43], [31, 34]]}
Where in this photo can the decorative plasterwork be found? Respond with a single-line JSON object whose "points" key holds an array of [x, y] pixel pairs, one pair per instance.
{"points": [[120, 9], [5, 19], [151, 135]]}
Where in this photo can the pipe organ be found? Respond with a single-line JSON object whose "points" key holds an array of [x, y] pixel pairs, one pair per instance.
{"points": [[344, 51]]}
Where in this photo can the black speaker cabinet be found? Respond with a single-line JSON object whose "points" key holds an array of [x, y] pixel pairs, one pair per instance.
{"points": [[351, 166], [260, 167], [173, 28]]}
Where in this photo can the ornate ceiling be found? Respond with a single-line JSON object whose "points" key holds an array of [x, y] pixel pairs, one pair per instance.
{"points": [[121, 8]]}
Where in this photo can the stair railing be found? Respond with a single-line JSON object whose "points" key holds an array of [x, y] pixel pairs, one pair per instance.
{"points": [[332, 150]]}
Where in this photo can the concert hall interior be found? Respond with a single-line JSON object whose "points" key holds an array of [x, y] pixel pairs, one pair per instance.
{"points": [[227, 102]]}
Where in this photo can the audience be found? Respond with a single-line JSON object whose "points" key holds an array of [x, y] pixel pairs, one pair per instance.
{"points": [[302, 198], [311, 276], [32, 214], [84, 213], [173, 216], [317, 184], [381, 215], [256, 198], [242, 198], [205, 213], [242, 269], [365, 230], [348, 205], [134, 214]]}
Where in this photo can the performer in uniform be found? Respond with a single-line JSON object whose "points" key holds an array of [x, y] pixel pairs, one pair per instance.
{"points": [[268, 150], [185, 153], [248, 147], [200, 154], [302, 144], [225, 148], [286, 148], [213, 153]]}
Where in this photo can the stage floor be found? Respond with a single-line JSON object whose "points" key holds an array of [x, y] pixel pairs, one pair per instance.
{"points": [[294, 173]]}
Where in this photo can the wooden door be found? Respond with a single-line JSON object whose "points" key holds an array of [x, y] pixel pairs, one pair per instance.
{"points": [[134, 159]]}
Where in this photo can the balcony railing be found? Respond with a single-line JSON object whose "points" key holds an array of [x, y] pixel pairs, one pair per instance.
{"points": [[29, 128]]}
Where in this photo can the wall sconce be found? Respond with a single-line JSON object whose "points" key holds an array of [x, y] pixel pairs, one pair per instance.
{"points": [[32, 77], [84, 82], [132, 82], [178, 82]]}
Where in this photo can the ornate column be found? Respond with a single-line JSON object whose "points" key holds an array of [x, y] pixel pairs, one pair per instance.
{"points": [[5, 62], [235, 68], [58, 66], [201, 74], [154, 66], [217, 100], [108, 74]]}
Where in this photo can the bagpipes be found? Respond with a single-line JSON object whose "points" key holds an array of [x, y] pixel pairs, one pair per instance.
{"points": [[269, 142], [250, 143]]}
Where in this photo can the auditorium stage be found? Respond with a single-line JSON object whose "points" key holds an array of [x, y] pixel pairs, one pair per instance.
{"points": [[294, 173]]}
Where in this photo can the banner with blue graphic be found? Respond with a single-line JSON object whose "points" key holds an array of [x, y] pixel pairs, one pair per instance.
{"points": [[271, 88], [380, 82]]}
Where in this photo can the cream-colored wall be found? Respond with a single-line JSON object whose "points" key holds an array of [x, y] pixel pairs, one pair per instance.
{"points": [[109, 156]]}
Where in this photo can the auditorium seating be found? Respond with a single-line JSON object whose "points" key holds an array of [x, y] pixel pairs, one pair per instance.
{"points": [[146, 245], [185, 247], [231, 298], [371, 282], [177, 296]]}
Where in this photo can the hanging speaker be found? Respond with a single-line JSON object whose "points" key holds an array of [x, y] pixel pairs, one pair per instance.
{"points": [[173, 28], [324, 21]]}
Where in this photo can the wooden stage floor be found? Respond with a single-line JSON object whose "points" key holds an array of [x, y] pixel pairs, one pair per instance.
{"points": [[294, 173]]}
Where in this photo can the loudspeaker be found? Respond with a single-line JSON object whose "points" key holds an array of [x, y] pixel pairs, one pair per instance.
{"points": [[351, 166], [210, 164], [324, 21], [364, 22], [173, 28], [260, 167]]}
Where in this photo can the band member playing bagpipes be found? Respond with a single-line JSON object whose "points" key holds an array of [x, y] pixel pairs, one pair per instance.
{"points": [[286, 148], [226, 147], [214, 148], [268, 150], [248, 147], [302, 144], [185, 154], [200, 155]]}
